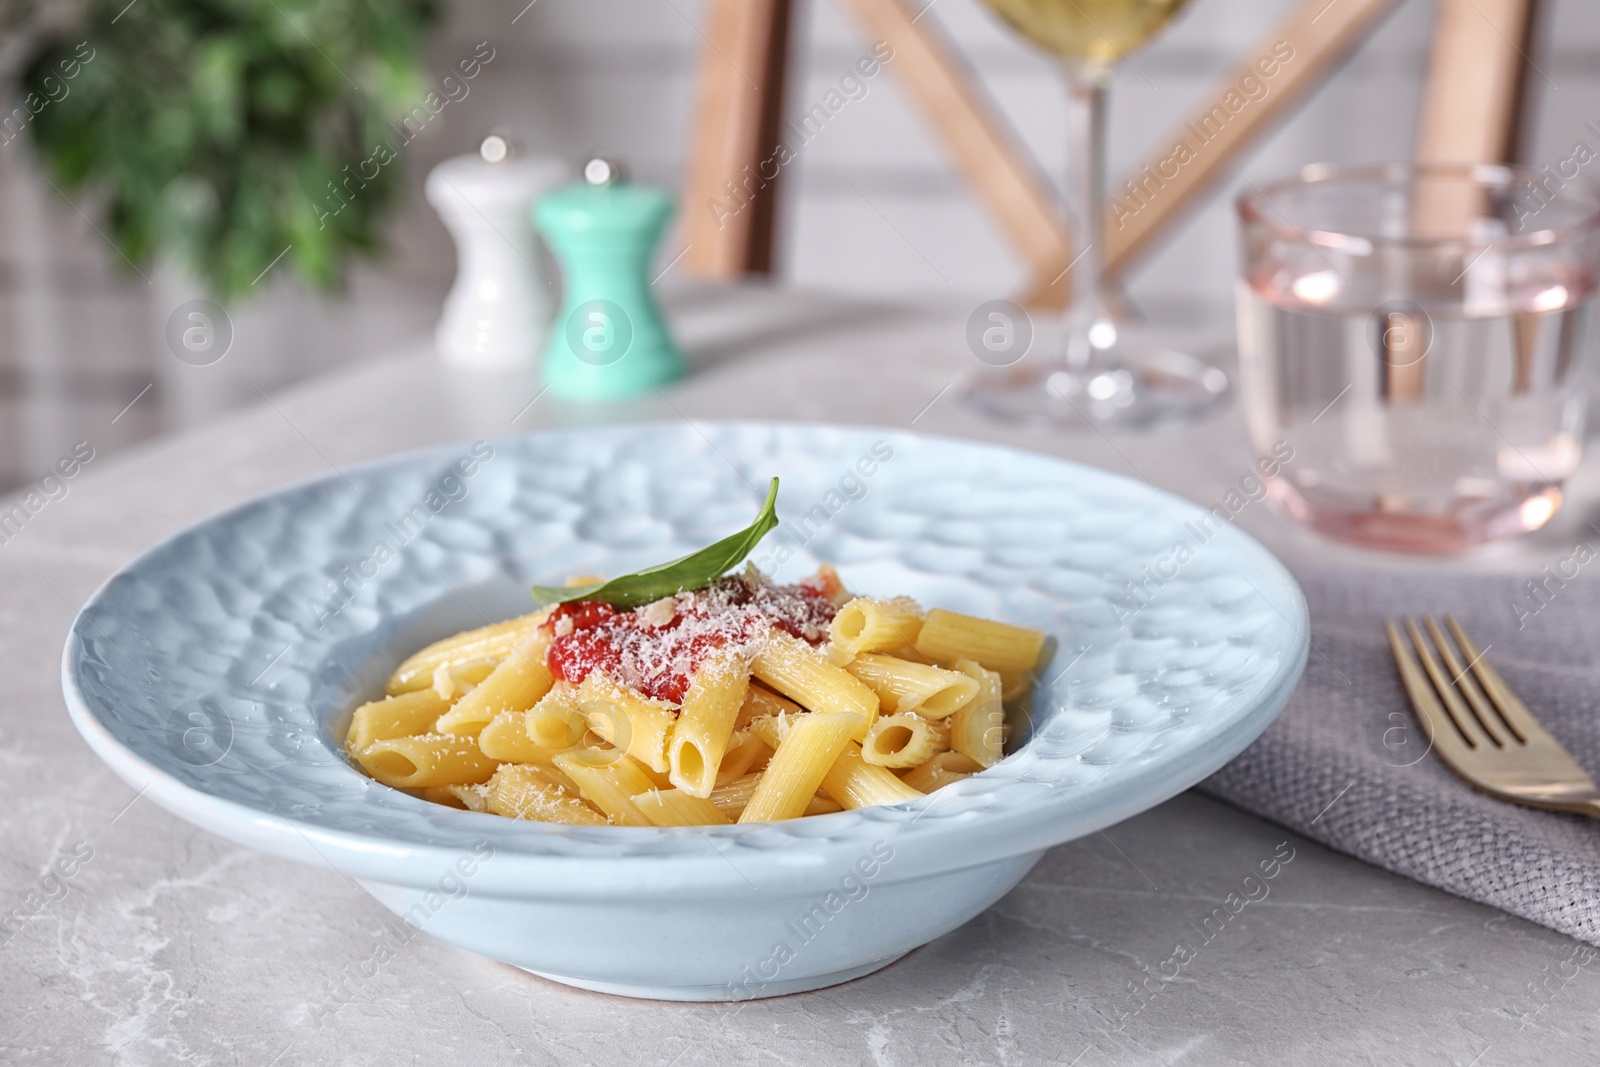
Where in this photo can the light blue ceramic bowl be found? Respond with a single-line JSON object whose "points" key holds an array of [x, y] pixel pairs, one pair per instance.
{"points": [[218, 671]]}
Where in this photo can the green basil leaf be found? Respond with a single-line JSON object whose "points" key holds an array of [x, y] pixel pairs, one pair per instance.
{"points": [[693, 571]]}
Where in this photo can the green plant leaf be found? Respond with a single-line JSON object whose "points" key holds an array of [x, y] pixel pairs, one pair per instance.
{"points": [[693, 571]]}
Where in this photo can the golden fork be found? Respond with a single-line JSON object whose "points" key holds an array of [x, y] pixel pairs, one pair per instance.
{"points": [[1478, 726]]}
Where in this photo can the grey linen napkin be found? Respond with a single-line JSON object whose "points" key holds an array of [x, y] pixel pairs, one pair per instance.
{"points": [[1347, 765]]}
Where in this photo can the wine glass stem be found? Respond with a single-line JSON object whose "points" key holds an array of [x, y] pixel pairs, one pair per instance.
{"points": [[1089, 330]]}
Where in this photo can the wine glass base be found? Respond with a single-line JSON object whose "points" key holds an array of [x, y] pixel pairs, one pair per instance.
{"points": [[1143, 388]]}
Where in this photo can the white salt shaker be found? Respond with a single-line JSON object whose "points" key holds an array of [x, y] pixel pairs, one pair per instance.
{"points": [[496, 316]]}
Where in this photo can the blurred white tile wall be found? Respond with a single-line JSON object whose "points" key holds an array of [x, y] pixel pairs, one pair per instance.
{"points": [[870, 207]]}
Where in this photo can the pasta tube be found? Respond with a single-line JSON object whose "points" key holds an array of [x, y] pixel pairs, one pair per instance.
{"points": [[428, 759], [944, 769], [731, 797], [759, 701], [803, 674], [854, 783], [451, 681], [442, 794], [772, 729], [522, 792], [610, 788], [1014, 685], [400, 716], [745, 752], [821, 804], [901, 686], [627, 719], [472, 797], [867, 624], [704, 726], [492, 643], [979, 729], [555, 724], [515, 685], [661, 779], [506, 740], [674, 807], [798, 765], [947, 636], [904, 739]]}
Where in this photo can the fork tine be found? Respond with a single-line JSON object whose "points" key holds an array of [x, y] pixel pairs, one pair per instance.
{"points": [[1435, 720], [1518, 719], [1458, 711], [1462, 677]]}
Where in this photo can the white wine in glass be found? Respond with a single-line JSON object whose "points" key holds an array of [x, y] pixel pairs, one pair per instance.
{"points": [[1104, 376], [1098, 31]]}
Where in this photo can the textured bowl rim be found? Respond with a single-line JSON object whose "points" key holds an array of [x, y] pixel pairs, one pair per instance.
{"points": [[998, 814]]}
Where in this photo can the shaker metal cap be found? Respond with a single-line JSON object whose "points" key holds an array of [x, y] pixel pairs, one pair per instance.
{"points": [[603, 172]]}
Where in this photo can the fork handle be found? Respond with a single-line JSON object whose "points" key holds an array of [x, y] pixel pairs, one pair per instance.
{"points": [[1590, 807]]}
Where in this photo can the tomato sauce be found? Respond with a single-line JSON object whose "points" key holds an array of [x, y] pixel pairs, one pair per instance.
{"points": [[657, 648]]}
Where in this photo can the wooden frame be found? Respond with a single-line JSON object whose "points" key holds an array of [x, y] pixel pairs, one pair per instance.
{"points": [[743, 68], [1477, 80], [1471, 102]]}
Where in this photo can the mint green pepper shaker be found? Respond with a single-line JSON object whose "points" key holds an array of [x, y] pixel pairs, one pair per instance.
{"points": [[609, 340]]}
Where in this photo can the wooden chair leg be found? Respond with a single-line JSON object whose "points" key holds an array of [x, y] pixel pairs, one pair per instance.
{"points": [[1476, 71], [1021, 201], [1471, 106], [1302, 51], [1469, 112], [730, 192], [1318, 35]]}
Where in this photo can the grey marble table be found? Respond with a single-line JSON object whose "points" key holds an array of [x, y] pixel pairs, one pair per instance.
{"points": [[166, 945]]}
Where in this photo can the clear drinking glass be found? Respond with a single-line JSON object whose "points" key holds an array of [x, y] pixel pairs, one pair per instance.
{"points": [[1105, 374], [1412, 342]]}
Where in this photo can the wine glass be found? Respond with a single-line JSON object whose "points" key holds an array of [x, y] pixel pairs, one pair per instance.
{"points": [[1105, 375]]}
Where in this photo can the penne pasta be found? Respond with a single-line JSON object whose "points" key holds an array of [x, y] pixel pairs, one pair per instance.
{"points": [[761, 701], [487, 644], [506, 740], [674, 807], [770, 730], [626, 719], [555, 724], [731, 797], [867, 624], [803, 674], [700, 737], [735, 699], [662, 779], [947, 637], [523, 792], [854, 783], [427, 759], [821, 804], [442, 794], [901, 686], [399, 716], [1014, 685], [939, 771], [610, 788], [978, 730], [472, 797], [746, 752], [453, 681], [904, 739], [799, 762], [515, 685]]}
